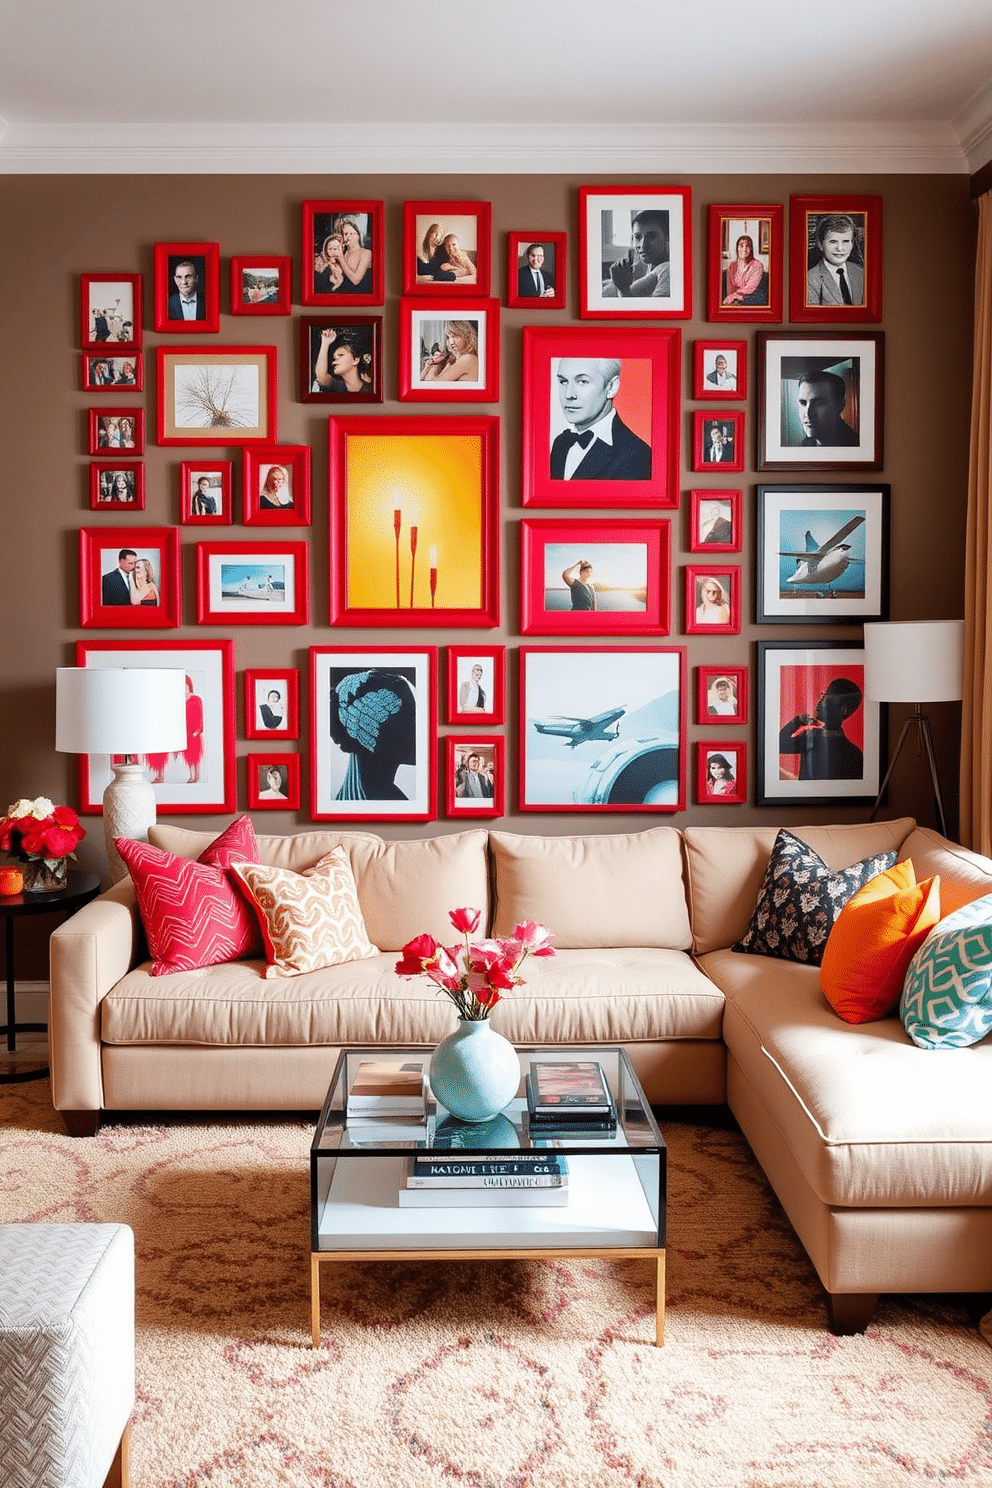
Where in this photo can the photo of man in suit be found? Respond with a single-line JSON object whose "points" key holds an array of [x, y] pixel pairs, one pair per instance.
{"points": [[821, 397], [721, 376], [599, 445], [187, 303], [836, 278], [115, 586], [534, 279]]}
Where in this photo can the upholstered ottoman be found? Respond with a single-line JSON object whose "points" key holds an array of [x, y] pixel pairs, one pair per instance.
{"points": [[66, 1354]]}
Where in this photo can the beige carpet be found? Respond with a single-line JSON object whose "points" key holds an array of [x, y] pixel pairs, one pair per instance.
{"points": [[508, 1375]]}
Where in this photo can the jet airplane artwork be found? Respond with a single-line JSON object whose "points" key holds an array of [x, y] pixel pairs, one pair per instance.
{"points": [[576, 731], [820, 564]]}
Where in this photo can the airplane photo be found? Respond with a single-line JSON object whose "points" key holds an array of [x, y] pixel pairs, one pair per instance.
{"points": [[578, 731], [819, 565]]}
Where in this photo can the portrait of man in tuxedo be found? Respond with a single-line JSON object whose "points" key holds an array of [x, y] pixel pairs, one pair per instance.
{"points": [[535, 278], [187, 301], [599, 445], [115, 586]]}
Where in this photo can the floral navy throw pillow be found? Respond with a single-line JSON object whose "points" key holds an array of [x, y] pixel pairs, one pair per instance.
{"points": [[800, 898]]}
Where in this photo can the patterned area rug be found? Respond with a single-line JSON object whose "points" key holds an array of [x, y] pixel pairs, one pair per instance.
{"points": [[495, 1375]]}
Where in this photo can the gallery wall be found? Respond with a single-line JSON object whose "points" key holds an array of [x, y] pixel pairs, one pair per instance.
{"points": [[59, 227]]}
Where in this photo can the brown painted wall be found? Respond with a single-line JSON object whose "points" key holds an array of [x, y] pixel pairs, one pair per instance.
{"points": [[57, 227]]}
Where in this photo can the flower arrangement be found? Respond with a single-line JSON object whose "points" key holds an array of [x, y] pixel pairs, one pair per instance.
{"points": [[39, 829], [475, 975]]}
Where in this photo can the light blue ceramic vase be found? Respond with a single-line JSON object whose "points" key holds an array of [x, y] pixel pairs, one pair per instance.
{"points": [[475, 1071]]}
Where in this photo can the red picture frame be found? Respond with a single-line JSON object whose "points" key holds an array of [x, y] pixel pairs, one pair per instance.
{"points": [[434, 343], [698, 578], [711, 513], [109, 306], [238, 583], [709, 380], [104, 585], [475, 668], [659, 288], [120, 374], [361, 379], [646, 403], [602, 729], [729, 426], [260, 682], [628, 580], [844, 232], [714, 785], [110, 429], [386, 568], [469, 222], [521, 286], [230, 392], [737, 298], [203, 285], [459, 748], [261, 284], [262, 483], [214, 507], [117, 485], [258, 766], [209, 754], [324, 220], [392, 777], [712, 699]]}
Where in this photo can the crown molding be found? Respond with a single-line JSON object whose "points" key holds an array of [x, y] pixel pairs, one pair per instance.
{"points": [[973, 126], [582, 149]]}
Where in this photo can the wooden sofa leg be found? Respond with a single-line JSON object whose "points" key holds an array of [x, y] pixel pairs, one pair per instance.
{"points": [[81, 1123], [119, 1475], [850, 1312]]}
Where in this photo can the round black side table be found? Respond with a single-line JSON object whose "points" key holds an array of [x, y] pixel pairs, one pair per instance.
{"points": [[81, 888]]}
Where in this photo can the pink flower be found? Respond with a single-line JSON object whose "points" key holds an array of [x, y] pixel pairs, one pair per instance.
{"points": [[535, 938], [416, 954], [465, 920]]}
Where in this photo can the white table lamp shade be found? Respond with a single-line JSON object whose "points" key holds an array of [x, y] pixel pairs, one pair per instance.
{"points": [[915, 661], [127, 712], [120, 710]]}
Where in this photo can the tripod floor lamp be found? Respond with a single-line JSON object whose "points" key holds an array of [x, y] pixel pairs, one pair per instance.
{"points": [[915, 661]]}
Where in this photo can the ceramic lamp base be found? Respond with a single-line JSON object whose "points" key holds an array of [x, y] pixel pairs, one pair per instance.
{"points": [[128, 811]]}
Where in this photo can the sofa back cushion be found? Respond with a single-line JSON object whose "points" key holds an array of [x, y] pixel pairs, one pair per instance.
{"points": [[725, 867], [964, 875], [404, 888], [623, 890]]}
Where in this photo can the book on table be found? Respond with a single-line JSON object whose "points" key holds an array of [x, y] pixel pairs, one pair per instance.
{"points": [[389, 1087], [539, 1170], [570, 1097], [477, 1198]]}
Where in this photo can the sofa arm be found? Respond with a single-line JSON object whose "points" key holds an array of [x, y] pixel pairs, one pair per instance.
{"points": [[89, 955]]}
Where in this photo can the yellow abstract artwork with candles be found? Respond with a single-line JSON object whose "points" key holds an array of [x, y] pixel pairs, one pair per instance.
{"points": [[414, 522]]}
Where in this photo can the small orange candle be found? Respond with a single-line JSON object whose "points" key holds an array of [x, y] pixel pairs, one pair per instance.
{"points": [[11, 880]]}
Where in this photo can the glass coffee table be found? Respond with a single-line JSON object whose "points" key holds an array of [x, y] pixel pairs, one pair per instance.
{"points": [[617, 1182]]}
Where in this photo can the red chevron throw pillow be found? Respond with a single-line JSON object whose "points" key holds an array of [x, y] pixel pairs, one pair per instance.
{"points": [[194, 914]]}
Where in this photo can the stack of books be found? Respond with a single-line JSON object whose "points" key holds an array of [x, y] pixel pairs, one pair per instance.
{"points": [[387, 1101], [569, 1096], [517, 1179]]}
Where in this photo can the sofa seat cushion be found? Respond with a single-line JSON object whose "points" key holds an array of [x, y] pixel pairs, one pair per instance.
{"points": [[872, 1121], [627, 996]]}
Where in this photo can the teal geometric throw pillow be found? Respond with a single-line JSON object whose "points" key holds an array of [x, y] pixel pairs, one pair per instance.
{"points": [[947, 995]]}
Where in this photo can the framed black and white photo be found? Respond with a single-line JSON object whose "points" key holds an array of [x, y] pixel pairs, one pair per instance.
{"points": [[372, 736], [272, 703], [635, 252], [823, 554], [819, 738], [820, 401]]}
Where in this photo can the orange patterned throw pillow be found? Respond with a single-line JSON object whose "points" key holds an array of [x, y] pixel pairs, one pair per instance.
{"points": [[873, 940], [310, 919]]}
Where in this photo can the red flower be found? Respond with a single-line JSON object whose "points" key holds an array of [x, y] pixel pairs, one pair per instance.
{"points": [[59, 842], [535, 938], [416, 954], [465, 920]]}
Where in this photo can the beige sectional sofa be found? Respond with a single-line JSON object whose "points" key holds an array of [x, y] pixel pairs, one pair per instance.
{"points": [[880, 1152]]}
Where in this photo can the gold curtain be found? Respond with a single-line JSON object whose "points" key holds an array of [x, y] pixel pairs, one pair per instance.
{"points": [[976, 721]]}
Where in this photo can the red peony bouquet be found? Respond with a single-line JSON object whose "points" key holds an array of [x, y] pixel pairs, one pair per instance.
{"points": [[40, 829], [475, 975]]}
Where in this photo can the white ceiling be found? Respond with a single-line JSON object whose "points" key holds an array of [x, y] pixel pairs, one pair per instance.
{"points": [[633, 85]]}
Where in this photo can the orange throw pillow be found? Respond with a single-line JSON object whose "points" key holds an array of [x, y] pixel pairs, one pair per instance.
{"points": [[873, 940]]}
